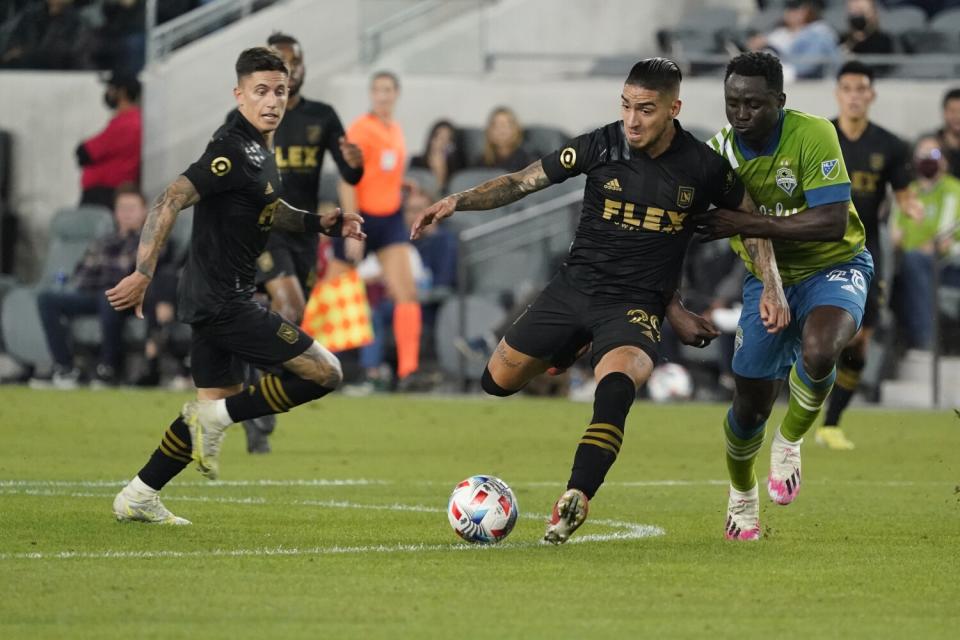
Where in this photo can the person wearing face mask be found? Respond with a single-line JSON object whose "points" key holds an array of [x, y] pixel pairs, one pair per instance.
{"points": [[917, 241], [112, 157], [865, 35]]}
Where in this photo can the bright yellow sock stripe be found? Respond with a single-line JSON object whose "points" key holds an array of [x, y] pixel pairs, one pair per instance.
{"points": [[170, 454], [600, 443], [268, 394], [847, 379], [175, 440], [278, 387]]}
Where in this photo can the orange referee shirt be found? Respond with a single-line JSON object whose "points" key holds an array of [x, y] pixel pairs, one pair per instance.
{"points": [[384, 158]]}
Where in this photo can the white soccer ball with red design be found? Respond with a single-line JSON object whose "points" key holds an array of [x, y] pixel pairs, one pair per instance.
{"points": [[482, 509], [670, 382]]}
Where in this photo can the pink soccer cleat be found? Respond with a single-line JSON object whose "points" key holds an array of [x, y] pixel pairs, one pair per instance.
{"points": [[783, 483], [743, 515]]}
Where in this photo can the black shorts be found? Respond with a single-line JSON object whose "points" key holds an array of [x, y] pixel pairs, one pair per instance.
{"points": [[279, 260], [242, 332], [563, 318], [876, 300], [382, 231]]}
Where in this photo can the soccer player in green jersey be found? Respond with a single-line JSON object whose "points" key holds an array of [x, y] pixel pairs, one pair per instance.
{"points": [[793, 168]]}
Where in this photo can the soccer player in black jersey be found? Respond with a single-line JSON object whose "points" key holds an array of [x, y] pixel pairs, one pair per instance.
{"points": [[647, 178], [875, 158], [234, 188], [287, 268]]}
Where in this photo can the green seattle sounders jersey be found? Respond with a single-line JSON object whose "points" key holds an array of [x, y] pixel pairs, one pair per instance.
{"points": [[802, 167]]}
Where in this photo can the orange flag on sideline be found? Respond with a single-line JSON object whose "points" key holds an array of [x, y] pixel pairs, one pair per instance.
{"points": [[338, 314]]}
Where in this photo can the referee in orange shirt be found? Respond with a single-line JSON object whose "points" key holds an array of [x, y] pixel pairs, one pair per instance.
{"points": [[379, 199]]}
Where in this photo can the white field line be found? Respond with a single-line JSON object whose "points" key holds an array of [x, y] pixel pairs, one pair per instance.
{"points": [[627, 531]]}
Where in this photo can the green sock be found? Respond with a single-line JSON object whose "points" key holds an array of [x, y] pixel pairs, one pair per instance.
{"points": [[742, 449], [806, 398]]}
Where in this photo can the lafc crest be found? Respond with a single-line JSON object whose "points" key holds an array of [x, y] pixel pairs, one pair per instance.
{"points": [[685, 197], [649, 323]]}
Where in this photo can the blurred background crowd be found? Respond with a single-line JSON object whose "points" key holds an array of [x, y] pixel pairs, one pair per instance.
{"points": [[476, 272]]}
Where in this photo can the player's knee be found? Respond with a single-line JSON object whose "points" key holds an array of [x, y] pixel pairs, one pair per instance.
{"points": [[328, 372], [820, 353], [489, 385], [748, 416]]}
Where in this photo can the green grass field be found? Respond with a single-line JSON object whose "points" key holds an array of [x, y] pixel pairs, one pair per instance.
{"points": [[341, 531]]}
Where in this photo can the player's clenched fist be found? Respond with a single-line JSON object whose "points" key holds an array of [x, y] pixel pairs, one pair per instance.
{"points": [[434, 213], [129, 292], [351, 153]]}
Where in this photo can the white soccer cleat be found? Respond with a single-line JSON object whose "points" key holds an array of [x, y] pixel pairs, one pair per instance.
{"points": [[783, 483], [743, 515], [147, 509], [206, 435], [569, 512]]}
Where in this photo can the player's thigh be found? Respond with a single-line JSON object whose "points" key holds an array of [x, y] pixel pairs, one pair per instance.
{"points": [[632, 361], [551, 326], [512, 369], [286, 297], [212, 366], [760, 355], [398, 272], [318, 365], [626, 334], [256, 335]]}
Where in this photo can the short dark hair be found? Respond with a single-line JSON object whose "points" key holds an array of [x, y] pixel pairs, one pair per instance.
{"points": [[655, 74], [758, 63], [386, 74], [128, 189], [127, 82], [952, 94], [259, 59], [856, 67], [281, 38]]}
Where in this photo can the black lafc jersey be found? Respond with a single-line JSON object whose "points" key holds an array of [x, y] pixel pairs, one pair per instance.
{"points": [[239, 188], [874, 160], [637, 212]]}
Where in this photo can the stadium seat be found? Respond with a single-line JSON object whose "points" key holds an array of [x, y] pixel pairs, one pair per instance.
{"points": [[482, 315], [947, 21], [71, 232], [541, 140], [424, 178], [467, 178], [473, 140], [899, 20]]}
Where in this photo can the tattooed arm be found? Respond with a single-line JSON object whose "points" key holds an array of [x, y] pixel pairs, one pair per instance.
{"points": [[491, 194], [334, 223], [774, 310], [129, 292]]}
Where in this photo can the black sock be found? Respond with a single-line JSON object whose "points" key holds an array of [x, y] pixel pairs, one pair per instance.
{"points": [[170, 458], [849, 369], [273, 394], [601, 442]]}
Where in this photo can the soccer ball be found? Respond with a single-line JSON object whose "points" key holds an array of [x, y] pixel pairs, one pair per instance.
{"points": [[668, 382], [482, 509]]}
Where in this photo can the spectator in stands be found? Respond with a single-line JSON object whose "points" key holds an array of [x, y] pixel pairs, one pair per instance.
{"points": [[865, 36], [443, 154], [159, 310], [805, 43], [49, 35], [122, 38], [112, 157], [437, 248], [504, 139], [106, 261], [949, 134], [918, 240]]}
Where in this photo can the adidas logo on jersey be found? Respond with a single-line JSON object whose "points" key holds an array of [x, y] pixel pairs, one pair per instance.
{"points": [[269, 189], [613, 185]]}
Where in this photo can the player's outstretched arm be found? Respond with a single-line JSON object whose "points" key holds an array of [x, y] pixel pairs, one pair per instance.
{"points": [[129, 292], [498, 192], [825, 223], [335, 223]]}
